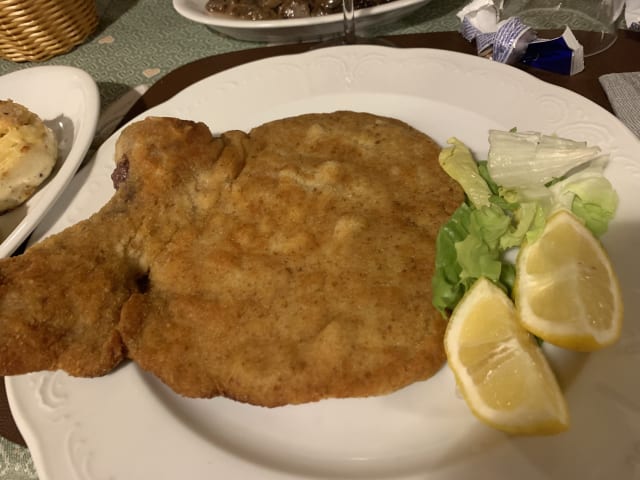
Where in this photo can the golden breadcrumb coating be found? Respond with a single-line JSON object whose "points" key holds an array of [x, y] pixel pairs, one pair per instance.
{"points": [[286, 265]]}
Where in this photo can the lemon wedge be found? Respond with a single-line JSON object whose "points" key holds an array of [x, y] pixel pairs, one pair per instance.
{"points": [[566, 291], [500, 369]]}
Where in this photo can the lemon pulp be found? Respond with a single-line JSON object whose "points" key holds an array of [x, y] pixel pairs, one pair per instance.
{"points": [[501, 371], [566, 290]]}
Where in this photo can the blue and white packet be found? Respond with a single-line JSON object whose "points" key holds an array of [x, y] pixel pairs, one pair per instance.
{"points": [[564, 54], [503, 41], [511, 41], [479, 23]]}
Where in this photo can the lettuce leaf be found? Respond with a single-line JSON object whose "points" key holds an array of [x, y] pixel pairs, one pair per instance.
{"points": [[496, 217], [459, 163], [528, 221], [517, 159], [447, 284], [589, 195], [467, 248]]}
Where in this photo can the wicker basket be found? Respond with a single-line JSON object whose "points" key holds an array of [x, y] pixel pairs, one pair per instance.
{"points": [[35, 30]]}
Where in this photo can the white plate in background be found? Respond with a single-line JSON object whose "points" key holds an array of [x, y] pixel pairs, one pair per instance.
{"points": [[128, 425], [292, 30], [67, 100]]}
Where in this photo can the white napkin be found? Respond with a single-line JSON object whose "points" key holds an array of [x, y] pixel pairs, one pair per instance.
{"points": [[632, 14], [623, 91]]}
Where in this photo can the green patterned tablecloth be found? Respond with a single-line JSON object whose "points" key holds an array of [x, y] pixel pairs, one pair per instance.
{"points": [[139, 41]]}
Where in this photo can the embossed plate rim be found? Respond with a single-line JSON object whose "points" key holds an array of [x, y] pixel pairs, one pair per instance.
{"points": [[119, 426]]}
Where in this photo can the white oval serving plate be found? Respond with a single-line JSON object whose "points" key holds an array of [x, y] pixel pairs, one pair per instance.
{"points": [[67, 100]]}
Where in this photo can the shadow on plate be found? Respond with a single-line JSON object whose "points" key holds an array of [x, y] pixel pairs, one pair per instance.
{"points": [[321, 439], [64, 132], [604, 399]]}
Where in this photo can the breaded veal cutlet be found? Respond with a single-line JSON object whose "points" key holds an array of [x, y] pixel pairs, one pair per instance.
{"points": [[285, 265]]}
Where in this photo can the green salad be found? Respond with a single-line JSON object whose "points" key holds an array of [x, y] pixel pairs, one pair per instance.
{"points": [[526, 177]]}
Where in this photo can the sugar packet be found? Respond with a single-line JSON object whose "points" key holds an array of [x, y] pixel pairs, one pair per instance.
{"points": [[510, 40]]}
